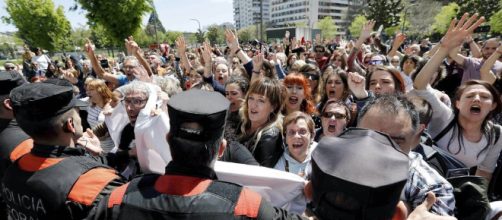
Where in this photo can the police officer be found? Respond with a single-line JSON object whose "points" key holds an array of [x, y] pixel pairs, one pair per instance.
{"points": [[190, 189], [54, 180], [345, 188], [13, 141]]}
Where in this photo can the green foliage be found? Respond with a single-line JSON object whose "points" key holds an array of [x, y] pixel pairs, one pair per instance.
{"points": [[39, 23], [79, 36], [443, 18], [215, 34], [483, 7], [327, 27], [496, 22], [357, 25], [384, 12], [101, 37], [247, 34], [300, 24], [171, 36], [120, 18]]}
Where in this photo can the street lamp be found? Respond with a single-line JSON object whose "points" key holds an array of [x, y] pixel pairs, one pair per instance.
{"points": [[200, 30]]}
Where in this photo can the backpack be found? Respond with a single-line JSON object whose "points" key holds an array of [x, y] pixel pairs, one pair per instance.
{"points": [[472, 193]]}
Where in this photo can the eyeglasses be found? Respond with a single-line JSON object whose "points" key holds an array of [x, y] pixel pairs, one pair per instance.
{"points": [[134, 102], [376, 62], [331, 114], [301, 132], [394, 61]]}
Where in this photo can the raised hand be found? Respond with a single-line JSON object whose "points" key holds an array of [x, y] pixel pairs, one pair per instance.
{"points": [[421, 211], [458, 31], [90, 142], [399, 40], [366, 30], [232, 40], [131, 45], [181, 44], [294, 43], [357, 84], [258, 62], [206, 53], [89, 47]]}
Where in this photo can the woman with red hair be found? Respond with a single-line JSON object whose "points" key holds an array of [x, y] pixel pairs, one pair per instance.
{"points": [[299, 94]]}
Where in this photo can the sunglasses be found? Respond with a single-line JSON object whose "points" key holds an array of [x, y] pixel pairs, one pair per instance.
{"points": [[376, 62], [331, 114], [9, 68], [311, 76]]}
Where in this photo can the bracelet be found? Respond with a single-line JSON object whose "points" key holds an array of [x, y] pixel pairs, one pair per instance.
{"points": [[257, 72], [237, 51]]}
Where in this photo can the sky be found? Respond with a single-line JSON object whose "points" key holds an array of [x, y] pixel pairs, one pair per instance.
{"points": [[175, 15]]}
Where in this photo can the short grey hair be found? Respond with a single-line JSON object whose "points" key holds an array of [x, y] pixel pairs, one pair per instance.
{"points": [[133, 59], [168, 85], [136, 86]]}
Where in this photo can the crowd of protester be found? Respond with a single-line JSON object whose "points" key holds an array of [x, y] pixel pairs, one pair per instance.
{"points": [[439, 103]]}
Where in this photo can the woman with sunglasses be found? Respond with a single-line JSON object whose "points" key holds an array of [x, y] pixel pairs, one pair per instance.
{"points": [[261, 119], [313, 74], [335, 116]]}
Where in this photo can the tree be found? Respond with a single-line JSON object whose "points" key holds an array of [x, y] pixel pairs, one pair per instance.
{"points": [[120, 18], [171, 36], [496, 21], [154, 25], [101, 37], [215, 34], [79, 35], [384, 12], [247, 34], [39, 23], [327, 27], [483, 7], [300, 24], [356, 25], [420, 17], [443, 18]]}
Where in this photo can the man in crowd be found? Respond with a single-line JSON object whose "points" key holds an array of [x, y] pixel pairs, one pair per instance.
{"points": [[472, 65], [397, 117], [55, 180]]}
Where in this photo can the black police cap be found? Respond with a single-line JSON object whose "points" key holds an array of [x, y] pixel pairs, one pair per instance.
{"points": [[44, 99], [10, 80], [358, 175], [208, 109]]}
